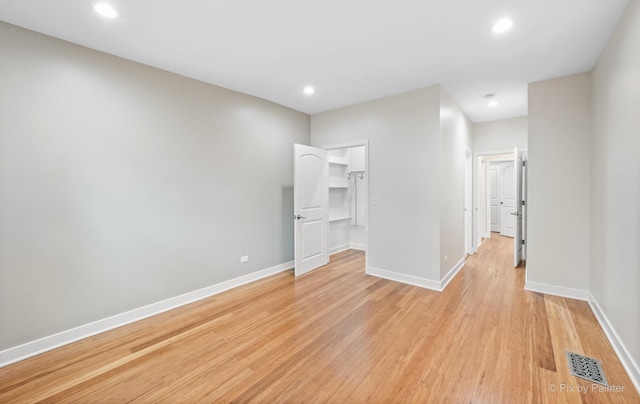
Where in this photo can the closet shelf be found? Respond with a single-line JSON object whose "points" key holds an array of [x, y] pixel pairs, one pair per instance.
{"points": [[338, 160], [338, 219], [338, 183]]}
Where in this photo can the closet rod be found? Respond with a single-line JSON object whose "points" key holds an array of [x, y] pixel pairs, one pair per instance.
{"points": [[357, 173]]}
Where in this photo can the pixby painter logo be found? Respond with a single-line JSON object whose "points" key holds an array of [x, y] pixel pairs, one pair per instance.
{"points": [[578, 388]]}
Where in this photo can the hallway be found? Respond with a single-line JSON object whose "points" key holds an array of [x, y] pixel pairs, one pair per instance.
{"points": [[338, 335]]}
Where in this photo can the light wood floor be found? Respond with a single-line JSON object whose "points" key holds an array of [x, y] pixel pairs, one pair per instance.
{"points": [[336, 335]]}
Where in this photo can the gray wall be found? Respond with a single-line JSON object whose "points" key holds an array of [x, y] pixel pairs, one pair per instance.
{"points": [[455, 139], [559, 182], [501, 135], [403, 133], [615, 193], [122, 185]]}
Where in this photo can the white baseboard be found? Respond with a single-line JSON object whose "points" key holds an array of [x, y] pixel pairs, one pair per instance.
{"points": [[345, 247], [29, 349], [632, 368], [404, 278], [556, 290], [451, 274], [339, 249], [415, 280], [358, 246]]}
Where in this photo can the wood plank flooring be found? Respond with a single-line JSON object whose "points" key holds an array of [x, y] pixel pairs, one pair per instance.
{"points": [[338, 335]]}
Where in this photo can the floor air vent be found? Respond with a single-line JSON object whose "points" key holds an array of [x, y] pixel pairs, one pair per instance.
{"points": [[586, 368]]}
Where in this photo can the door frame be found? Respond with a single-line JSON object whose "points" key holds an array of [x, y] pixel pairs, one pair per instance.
{"points": [[468, 202], [347, 145], [476, 234]]}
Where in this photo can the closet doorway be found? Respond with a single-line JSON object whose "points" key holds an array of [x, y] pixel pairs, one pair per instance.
{"points": [[348, 197]]}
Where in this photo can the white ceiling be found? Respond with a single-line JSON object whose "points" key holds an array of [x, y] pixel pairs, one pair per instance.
{"points": [[350, 50]]}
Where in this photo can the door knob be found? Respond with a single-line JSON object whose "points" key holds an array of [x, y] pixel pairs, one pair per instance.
{"points": [[299, 217]]}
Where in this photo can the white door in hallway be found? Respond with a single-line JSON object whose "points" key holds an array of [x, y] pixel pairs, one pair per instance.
{"points": [[518, 212], [507, 187], [494, 196], [310, 207]]}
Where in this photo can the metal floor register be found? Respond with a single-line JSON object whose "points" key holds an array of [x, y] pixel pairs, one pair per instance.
{"points": [[586, 368]]}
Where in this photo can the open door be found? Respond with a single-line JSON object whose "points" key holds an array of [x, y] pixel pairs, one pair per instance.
{"points": [[508, 197], [517, 239], [468, 192], [310, 207]]}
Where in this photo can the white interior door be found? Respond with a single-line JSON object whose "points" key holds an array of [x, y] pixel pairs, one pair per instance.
{"points": [[468, 192], [517, 214], [494, 197], [507, 178], [310, 207]]}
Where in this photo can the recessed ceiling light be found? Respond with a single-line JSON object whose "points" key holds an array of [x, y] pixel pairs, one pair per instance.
{"points": [[502, 25], [106, 10], [308, 90], [491, 101]]}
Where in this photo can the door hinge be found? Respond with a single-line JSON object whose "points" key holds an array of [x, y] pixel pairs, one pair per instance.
{"points": [[524, 164], [523, 242], [522, 203]]}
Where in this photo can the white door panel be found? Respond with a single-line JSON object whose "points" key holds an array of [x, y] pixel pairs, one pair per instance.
{"points": [[495, 215], [517, 214], [311, 208], [507, 180], [311, 168], [312, 244], [494, 198]]}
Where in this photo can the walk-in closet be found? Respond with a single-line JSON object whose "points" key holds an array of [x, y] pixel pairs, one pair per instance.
{"points": [[347, 199]]}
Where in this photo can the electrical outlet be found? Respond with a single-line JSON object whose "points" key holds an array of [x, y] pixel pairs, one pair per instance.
{"points": [[375, 200], [244, 258]]}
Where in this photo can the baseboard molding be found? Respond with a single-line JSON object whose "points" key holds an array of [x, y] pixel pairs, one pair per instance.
{"points": [[345, 247], [556, 290], [339, 249], [358, 246], [451, 274], [415, 280], [632, 368], [29, 349], [404, 278]]}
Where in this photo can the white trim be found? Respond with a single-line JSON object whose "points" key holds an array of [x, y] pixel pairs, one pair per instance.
{"points": [[561, 291], [358, 246], [451, 274], [29, 349], [492, 152], [632, 368], [339, 249], [415, 280], [404, 278], [345, 247]]}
